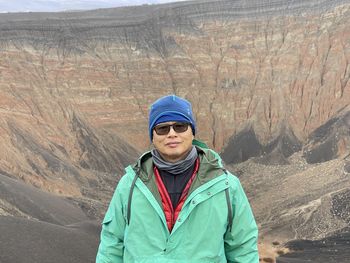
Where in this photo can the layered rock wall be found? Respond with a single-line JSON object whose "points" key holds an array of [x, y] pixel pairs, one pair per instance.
{"points": [[266, 66]]}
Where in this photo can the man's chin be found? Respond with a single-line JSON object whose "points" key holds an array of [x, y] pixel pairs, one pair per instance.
{"points": [[173, 157]]}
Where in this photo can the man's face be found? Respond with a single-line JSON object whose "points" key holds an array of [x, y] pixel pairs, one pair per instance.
{"points": [[173, 146]]}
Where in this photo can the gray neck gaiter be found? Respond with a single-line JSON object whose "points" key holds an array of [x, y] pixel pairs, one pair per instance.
{"points": [[178, 167]]}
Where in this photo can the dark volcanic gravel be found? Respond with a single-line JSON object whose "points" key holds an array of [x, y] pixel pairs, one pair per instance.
{"points": [[332, 249], [30, 241]]}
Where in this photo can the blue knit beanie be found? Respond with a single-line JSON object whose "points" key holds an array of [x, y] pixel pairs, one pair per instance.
{"points": [[170, 108]]}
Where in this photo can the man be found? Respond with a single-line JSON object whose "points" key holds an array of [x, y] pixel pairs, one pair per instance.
{"points": [[178, 204]]}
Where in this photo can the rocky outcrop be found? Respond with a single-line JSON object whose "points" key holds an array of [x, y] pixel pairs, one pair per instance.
{"points": [[297, 200], [299, 206]]}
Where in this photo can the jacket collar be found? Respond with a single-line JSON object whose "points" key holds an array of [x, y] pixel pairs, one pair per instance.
{"points": [[210, 167]]}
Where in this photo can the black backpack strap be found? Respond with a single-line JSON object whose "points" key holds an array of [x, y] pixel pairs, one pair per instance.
{"points": [[229, 206], [128, 211], [229, 209]]}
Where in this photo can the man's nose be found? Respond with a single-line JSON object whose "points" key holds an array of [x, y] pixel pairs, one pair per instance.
{"points": [[172, 132]]}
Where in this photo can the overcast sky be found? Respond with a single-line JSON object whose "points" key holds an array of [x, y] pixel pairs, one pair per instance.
{"points": [[64, 5]]}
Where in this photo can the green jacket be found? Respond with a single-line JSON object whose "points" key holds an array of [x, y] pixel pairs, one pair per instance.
{"points": [[200, 234]]}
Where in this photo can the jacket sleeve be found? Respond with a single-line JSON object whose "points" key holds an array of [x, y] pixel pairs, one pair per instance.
{"points": [[111, 248], [241, 240]]}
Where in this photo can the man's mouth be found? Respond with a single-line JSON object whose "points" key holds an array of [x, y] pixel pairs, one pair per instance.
{"points": [[172, 144]]}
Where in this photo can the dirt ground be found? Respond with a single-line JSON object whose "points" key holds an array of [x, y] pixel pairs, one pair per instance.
{"points": [[268, 251]]}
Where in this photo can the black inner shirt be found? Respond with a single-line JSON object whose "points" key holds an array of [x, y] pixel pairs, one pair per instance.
{"points": [[175, 183]]}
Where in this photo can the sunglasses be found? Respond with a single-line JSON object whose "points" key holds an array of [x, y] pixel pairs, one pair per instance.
{"points": [[164, 129]]}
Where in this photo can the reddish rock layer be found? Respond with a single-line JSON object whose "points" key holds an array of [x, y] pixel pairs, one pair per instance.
{"points": [[266, 72]]}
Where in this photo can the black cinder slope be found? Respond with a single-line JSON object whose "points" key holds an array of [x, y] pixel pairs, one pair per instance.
{"points": [[37, 204], [329, 141], [332, 249], [30, 241]]}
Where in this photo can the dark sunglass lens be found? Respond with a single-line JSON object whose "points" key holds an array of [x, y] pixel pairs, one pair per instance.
{"points": [[165, 129], [180, 127], [162, 130]]}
